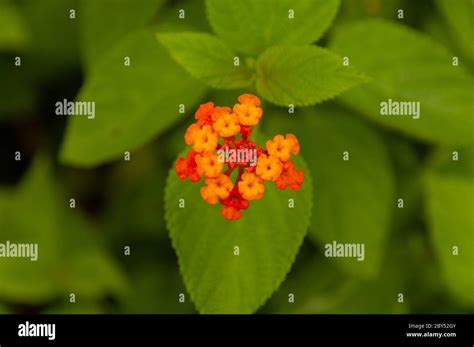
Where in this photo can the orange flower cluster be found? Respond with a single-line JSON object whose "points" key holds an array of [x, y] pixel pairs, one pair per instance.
{"points": [[219, 131]]}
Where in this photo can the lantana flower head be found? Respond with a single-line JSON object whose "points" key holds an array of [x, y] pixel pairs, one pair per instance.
{"points": [[222, 148]]}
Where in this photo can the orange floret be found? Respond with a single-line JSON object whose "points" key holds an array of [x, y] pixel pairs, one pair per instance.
{"points": [[248, 110], [268, 167], [204, 113], [191, 134], [231, 213], [187, 167], [290, 177], [293, 142], [251, 186], [226, 123], [281, 147], [208, 164], [205, 140], [216, 188]]}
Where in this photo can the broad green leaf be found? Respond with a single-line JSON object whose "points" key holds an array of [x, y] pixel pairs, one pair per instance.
{"points": [[449, 192], [252, 26], [70, 257], [268, 236], [103, 23], [354, 198], [132, 103], [459, 16], [207, 58], [419, 70], [13, 33], [303, 75]]}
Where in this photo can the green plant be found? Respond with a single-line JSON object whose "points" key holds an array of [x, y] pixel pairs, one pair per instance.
{"points": [[400, 185]]}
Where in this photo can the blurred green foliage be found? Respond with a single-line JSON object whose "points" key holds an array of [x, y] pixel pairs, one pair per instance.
{"points": [[406, 66], [353, 198], [122, 18], [452, 185], [270, 23], [71, 260], [458, 17], [181, 59], [152, 99]]}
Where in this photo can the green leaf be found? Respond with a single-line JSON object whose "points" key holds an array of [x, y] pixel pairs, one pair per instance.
{"points": [[70, 257], [268, 236], [353, 199], [303, 75], [207, 58], [104, 23], [459, 16], [449, 191], [419, 70], [133, 103], [252, 26]]}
